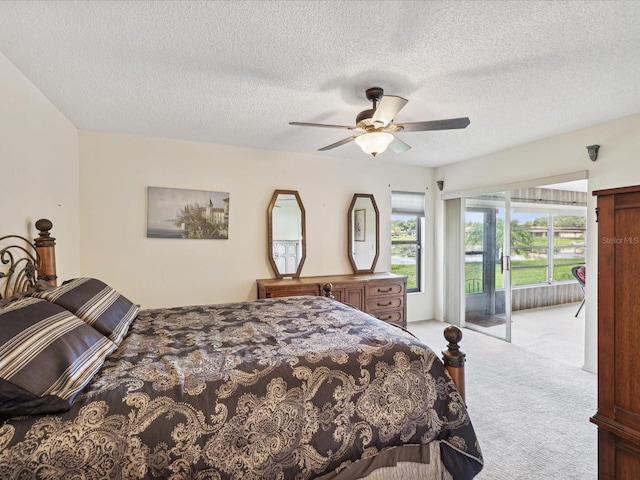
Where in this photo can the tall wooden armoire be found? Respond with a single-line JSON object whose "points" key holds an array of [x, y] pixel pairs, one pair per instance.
{"points": [[618, 415]]}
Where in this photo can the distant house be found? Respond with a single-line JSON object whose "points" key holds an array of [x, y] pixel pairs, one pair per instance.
{"points": [[215, 215]]}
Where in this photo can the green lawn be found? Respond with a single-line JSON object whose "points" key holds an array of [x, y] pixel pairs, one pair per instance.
{"points": [[409, 271], [535, 273]]}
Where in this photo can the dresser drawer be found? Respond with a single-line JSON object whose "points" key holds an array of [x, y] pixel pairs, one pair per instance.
{"points": [[385, 303], [378, 289], [392, 316]]}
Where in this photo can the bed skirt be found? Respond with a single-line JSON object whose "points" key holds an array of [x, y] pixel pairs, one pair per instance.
{"points": [[400, 463]]}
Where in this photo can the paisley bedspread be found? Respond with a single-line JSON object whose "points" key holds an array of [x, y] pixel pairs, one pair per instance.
{"points": [[288, 388]]}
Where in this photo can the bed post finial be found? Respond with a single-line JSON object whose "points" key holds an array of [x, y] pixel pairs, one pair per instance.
{"points": [[454, 358], [46, 247], [328, 290]]}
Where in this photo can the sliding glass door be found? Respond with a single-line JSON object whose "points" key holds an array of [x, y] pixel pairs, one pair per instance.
{"points": [[487, 262]]}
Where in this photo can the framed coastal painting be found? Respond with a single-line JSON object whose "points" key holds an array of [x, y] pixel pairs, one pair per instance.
{"points": [[180, 213]]}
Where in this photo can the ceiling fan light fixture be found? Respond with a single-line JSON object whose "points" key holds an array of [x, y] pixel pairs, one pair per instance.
{"points": [[374, 143]]}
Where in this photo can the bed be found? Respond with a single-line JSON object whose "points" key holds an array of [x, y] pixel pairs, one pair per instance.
{"points": [[286, 388]]}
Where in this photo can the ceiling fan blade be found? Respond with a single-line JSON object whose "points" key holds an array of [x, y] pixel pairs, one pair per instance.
{"points": [[337, 144], [398, 146], [324, 125], [388, 108], [449, 124]]}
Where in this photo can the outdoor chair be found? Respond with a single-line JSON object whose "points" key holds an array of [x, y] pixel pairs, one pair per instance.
{"points": [[580, 273]]}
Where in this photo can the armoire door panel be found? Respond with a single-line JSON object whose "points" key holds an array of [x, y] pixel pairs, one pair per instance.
{"points": [[627, 460], [618, 295], [627, 305]]}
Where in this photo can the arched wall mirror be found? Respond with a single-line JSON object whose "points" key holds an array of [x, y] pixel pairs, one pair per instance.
{"points": [[286, 235], [363, 233]]}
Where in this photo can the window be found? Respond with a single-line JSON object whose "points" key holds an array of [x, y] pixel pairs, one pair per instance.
{"points": [[407, 212], [544, 247], [568, 245]]}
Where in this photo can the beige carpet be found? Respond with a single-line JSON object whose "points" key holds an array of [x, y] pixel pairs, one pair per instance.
{"points": [[531, 413]]}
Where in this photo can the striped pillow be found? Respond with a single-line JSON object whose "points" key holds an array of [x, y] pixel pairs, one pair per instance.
{"points": [[97, 304], [47, 356]]}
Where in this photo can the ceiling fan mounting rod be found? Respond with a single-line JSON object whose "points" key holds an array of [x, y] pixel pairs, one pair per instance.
{"points": [[374, 94]]}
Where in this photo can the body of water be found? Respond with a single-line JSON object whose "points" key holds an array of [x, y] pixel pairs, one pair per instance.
{"points": [[163, 233]]}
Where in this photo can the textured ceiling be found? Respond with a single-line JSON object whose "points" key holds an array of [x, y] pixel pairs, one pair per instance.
{"points": [[236, 72]]}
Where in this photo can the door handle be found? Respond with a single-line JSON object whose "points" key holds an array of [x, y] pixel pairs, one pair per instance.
{"points": [[506, 263]]}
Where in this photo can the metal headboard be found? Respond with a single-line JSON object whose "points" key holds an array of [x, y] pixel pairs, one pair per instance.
{"points": [[23, 263]]}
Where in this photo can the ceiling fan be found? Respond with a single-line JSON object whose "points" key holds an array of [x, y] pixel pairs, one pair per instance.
{"points": [[375, 128]]}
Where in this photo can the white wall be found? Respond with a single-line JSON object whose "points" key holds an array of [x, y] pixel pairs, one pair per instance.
{"points": [[117, 169], [39, 161], [617, 165]]}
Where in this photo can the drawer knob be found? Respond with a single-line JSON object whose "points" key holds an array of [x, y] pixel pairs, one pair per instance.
{"points": [[385, 291], [388, 304]]}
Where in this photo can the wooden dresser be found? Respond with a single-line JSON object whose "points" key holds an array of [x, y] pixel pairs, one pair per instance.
{"points": [[383, 295], [618, 416]]}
